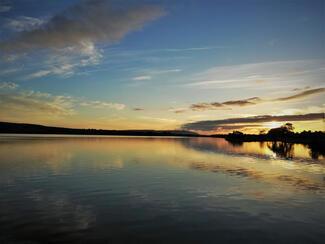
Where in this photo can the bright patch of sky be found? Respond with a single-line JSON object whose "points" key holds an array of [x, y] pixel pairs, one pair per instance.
{"points": [[98, 59]]}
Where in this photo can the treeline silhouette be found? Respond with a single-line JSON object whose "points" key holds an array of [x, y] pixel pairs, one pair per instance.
{"points": [[282, 139], [283, 133], [20, 128]]}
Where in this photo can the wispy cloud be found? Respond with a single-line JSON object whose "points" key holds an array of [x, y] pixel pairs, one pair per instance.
{"points": [[4, 8], [178, 110], [21, 105], [64, 69], [34, 103], [138, 109], [301, 89], [189, 49], [102, 104], [142, 77], [254, 100], [8, 85], [24, 23], [164, 120], [150, 74], [303, 94], [244, 102], [140, 52], [65, 61], [254, 74], [165, 71], [206, 106], [211, 125]]}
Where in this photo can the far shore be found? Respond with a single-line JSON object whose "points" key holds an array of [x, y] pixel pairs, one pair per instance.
{"points": [[307, 137]]}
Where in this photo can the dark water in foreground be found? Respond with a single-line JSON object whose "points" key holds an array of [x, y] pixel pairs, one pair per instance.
{"points": [[158, 190]]}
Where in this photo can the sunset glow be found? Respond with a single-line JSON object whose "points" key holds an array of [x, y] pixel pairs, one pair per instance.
{"points": [[161, 121], [161, 65]]}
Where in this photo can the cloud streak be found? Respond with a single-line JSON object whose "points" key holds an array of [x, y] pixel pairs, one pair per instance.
{"points": [[64, 62], [4, 8], [254, 101], [210, 125], [8, 85], [34, 103], [101, 105], [280, 73], [143, 77], [24, 23], [303, 94], [138, 109], [21, 104]]}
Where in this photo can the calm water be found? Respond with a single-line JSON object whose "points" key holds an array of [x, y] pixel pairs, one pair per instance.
{"points": [[159, 190]]}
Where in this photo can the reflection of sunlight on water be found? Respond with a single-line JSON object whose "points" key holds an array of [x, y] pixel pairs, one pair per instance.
{"points": [[278, 173], [80, 184], [115, 153], [273, 150]]}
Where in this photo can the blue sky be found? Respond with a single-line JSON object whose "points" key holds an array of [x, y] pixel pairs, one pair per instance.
{"points": [[147, 64]]}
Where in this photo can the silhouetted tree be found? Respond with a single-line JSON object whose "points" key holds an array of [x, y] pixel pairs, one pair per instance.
{"points": [[284, 130], [281, 140], [237, 133], [262, 132]]}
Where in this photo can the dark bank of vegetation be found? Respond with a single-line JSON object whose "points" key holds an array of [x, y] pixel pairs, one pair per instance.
{"points": [[282, 140], [283, 133], [19, 128]]}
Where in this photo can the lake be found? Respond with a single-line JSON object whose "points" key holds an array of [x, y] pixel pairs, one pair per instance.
{"points": [[78, 189]]}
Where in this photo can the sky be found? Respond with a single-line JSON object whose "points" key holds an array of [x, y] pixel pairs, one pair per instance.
{"points": [[206, 66]]}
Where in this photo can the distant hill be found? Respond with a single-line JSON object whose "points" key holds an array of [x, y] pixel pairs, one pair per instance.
{"points": [[21, 128]]}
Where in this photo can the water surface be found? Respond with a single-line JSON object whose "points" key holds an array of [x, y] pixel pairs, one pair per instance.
{"points": [[69, 189]]}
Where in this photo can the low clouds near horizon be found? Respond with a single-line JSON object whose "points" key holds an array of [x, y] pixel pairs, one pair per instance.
{"points": [[254, 100], [239, 123], [21, 104]]}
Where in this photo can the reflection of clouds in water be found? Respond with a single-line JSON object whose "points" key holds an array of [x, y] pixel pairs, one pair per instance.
{"points": [[160, 180], [301, 167], [54, 157], [103, 163], [61, 212], [139, 197], [265, 175], [57, 156], [303, 174], [58, 161], [14, 156], [236, 171], [60, 155], [301, 183]]}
